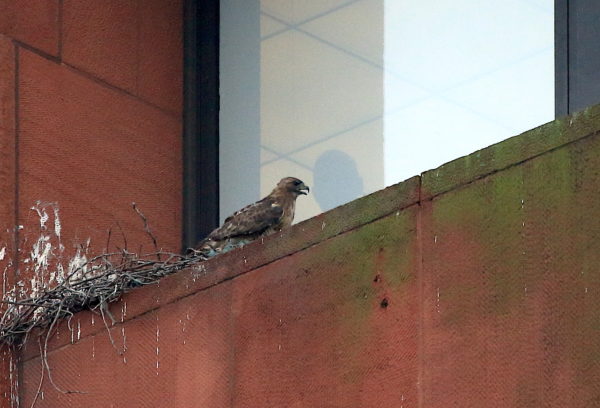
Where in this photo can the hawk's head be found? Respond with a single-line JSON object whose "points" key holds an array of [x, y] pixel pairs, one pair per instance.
{"points": [[293, 185]]}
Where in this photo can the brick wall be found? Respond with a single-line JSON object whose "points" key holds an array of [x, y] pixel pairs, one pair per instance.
{"points": [[90, 119], [474, 285]]}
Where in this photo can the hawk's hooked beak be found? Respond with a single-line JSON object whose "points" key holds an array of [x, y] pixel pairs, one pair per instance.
{"points": [[303, 189]]}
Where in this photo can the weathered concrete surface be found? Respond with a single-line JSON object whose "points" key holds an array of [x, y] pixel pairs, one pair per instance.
{"points": [[484, 293], [512, 286], [510, 152], [178, 355], [335, 325]]}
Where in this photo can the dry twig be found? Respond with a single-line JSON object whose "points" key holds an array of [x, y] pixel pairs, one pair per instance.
{"points": [[101, 280], [90, 284]]}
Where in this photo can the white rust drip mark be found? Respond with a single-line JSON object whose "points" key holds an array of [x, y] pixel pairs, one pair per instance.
{"points": [[124, 348], [157, 348], [40, 209], [57, 225]]}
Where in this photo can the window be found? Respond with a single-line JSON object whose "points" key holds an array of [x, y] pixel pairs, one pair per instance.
{"points": [[354, 95]]}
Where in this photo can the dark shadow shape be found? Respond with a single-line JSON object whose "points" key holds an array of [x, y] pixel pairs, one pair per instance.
{"points": [[336, 180]]}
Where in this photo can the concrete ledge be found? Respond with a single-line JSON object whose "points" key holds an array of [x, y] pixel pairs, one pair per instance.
{"points": [[232, 264], [511, 151]]}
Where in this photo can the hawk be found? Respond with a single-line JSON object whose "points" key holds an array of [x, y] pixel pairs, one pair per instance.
{"points": [[264, 217]]}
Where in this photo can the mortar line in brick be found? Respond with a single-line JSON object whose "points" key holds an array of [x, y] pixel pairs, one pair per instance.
{"points": [[509, 166], [94, 79], [221, 281], [60, 28], [37, 51], [138, 41], [16, 163], [19, 362], [112, 87], [420, 283]]}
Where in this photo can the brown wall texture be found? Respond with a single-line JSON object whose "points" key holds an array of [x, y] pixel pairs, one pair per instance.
{"points": [[90, 119], [474, 285]]}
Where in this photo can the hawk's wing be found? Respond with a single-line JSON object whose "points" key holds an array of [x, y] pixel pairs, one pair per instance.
{"points": [[252, 219]]}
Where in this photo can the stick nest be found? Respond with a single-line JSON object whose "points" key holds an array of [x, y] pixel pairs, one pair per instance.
{"points": [[92, 285]]}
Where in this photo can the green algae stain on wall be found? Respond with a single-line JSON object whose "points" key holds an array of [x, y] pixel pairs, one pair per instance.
{"points": [[568, 223], [512, 151], [378, 260], [385, 247], [524, 245], [505, 217], [483, 222]]}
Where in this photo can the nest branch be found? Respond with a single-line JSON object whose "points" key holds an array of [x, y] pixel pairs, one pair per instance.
{"points": [[89, 284], [99, 281]]}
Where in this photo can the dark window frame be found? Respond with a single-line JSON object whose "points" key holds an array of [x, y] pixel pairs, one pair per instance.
{"points": [[577, 59], [200, 119], [561, 58], [201, 105]]}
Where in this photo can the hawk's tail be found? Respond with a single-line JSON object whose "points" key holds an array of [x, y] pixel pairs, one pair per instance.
{"points": [[209, 247], [205, 249]]}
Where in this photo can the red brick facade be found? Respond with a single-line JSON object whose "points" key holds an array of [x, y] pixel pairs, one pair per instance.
{"points": [[91, 119], [472, 285]]}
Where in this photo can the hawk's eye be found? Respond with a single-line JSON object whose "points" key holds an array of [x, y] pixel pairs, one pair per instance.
{"points": [[297, 182]]}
